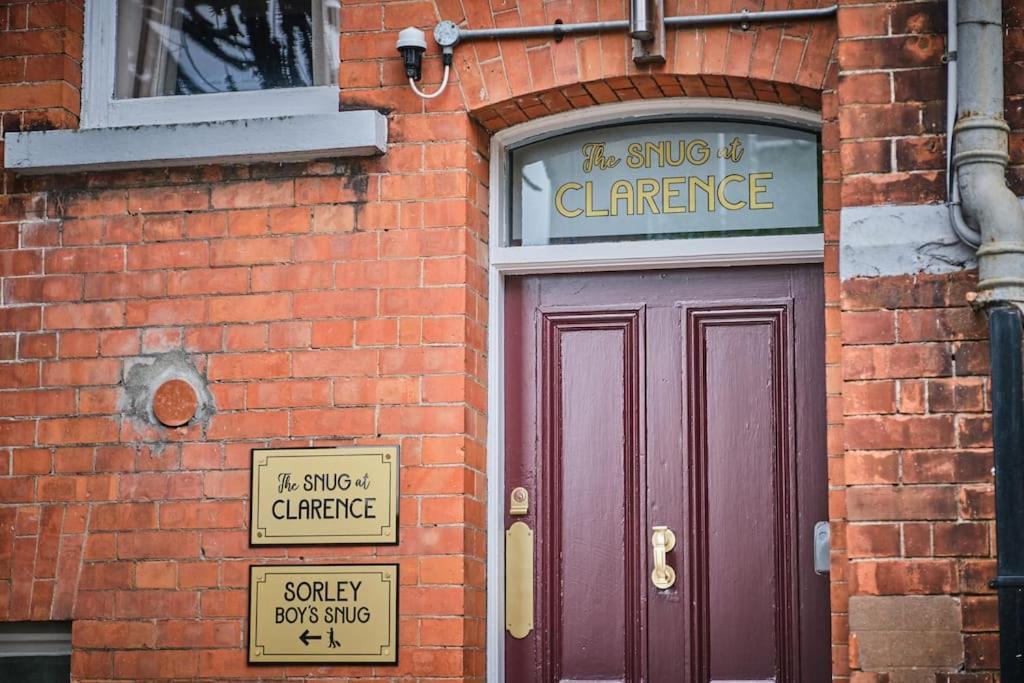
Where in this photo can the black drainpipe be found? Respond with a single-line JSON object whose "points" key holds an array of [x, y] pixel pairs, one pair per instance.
{"points": [[1005, 326]]}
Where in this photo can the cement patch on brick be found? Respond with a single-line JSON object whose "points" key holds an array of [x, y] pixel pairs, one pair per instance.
{"points": [[145, 374], [911, 638], [876, 241]]}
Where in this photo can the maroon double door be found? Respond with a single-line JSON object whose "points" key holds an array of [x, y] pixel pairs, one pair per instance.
{"points": [[686, 399]]}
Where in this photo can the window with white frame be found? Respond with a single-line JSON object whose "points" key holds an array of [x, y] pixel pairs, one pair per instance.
{"points": [[151, 62]]}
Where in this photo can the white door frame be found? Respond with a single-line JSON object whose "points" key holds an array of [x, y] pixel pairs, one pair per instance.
{"points": [[598, 256]]}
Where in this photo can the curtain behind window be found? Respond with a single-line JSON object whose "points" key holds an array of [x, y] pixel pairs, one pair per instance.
{"points": [[144, 68], [187, 47]]}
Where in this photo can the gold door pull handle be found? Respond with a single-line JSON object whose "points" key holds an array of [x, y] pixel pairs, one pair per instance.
{"points": [[663, 541]]}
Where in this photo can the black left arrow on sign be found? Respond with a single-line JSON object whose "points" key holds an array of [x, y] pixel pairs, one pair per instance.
{"points": [[305, 637]]}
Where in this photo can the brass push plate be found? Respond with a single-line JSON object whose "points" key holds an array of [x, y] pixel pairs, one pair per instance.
{"points": [[324, 495], [519, 580], [324, 614]]}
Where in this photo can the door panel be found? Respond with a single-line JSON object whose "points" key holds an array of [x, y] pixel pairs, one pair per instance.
{"points": [[591, 475], [590, 478], [740, 459], [668, 398], [593, 637]]}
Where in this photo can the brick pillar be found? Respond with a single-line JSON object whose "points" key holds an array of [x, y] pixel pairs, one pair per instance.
{"points": [[918, 461]]}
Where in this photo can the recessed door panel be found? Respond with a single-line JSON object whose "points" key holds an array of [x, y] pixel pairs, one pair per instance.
{"points": [[738, 386], [590, 477], [593, 541]]}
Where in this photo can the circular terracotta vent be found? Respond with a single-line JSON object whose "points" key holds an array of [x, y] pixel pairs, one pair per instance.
{"points": [[174, 403]]}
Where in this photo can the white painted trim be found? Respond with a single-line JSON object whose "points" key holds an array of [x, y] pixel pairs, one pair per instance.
{"points": [[495, 477], [692, 253], [98, 57], [35, 639], [101, 110], [605, 256], [289, 138], [225, 106]]}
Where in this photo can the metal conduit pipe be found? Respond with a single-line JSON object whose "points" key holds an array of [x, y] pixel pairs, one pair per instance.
{"points": [[992, 209], [641, 26], [980, 154], [558, 30], [964, 232], [747, 17]]}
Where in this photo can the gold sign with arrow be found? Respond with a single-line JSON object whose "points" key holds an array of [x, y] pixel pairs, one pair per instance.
{"points": [[324, 614]]}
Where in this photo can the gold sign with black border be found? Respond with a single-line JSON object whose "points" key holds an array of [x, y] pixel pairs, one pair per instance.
{"points": [[323, 614], [335, 495]]}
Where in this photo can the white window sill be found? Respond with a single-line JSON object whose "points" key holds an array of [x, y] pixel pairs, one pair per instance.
{"points": [[285, 138], [206, 107]]}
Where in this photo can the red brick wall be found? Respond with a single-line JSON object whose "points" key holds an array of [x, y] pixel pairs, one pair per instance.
{"points": [[918, 448], [916, 432], [40, 64], [345, 301]]}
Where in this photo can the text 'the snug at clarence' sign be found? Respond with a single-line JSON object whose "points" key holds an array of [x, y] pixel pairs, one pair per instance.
{"points": [[324, 614], [324, 495], [666, 179]]}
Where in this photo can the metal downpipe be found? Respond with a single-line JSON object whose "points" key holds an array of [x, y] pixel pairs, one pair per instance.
{"points": [[993, 210], [1005, 324], [981, 157], [954, 206]]}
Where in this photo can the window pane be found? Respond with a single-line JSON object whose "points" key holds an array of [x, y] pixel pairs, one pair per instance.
{"points": [[665, 179], [36, 669], [189, 47]]}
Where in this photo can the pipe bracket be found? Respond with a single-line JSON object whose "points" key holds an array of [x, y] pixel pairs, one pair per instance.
{"points": [[558, 31], [981, 156], [1001, 248], [1007, 582], [993, 282], [978, 122], [979, 22]]}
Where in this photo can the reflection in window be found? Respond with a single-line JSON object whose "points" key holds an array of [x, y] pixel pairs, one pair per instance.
{"points": [[190, 47], [683, 179], [35, 651]]}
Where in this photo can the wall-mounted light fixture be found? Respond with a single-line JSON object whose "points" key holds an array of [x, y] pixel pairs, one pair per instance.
{"points": [[412, 44]]}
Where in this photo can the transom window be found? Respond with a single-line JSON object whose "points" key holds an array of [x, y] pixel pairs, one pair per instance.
{"points": [[177, 61], [665, 180]]}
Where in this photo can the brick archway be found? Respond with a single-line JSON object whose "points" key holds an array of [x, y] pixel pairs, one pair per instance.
{"points": [[523, 108]]}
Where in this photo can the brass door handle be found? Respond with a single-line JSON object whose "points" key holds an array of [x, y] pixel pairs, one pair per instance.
{"points": [[662, 540]]}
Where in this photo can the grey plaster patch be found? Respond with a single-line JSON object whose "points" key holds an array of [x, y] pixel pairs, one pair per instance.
{"points": [[876, 241], [144, 375]]}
